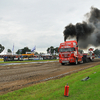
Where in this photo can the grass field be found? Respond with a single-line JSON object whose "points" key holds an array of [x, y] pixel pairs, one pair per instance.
{"points": [[54, 89]]}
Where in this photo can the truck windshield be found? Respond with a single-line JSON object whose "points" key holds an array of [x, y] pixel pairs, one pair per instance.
{"points": [[66, 49]]}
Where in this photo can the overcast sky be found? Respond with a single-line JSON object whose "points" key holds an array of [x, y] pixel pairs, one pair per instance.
{"points": [[26, 23]]}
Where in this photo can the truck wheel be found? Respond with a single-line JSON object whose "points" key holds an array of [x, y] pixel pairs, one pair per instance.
{"points": [[62, 63], [81, 61], [91, 59], [76, 61], [87, 60]]}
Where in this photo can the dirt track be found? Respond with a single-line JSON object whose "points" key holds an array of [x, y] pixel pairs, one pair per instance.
{"points": [[13, 77]]}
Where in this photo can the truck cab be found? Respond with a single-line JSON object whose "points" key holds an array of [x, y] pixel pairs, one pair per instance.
{"points": [[68, 53]]}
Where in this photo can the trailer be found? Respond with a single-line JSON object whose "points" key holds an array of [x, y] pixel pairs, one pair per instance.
{"points": [[88, 56]]}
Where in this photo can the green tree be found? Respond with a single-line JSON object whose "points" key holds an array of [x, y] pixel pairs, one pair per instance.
{"points": [[1, 48], [79, 50], [97, 52], [36, 53], [9, 50], [19, 51], [23, 51], [52, 49], [56, 49]]}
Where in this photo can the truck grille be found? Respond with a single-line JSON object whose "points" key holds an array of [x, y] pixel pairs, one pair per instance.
{"points": [[66, 55]]}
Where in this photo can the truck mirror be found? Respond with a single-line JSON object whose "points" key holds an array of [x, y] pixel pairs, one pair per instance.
{"points": [[58, 49]]}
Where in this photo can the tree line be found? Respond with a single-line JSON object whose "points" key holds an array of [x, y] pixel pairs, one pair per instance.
{"points": [[51, 50]]}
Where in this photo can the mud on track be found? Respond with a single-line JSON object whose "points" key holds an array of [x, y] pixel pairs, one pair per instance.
{"points": [[14, 77]]}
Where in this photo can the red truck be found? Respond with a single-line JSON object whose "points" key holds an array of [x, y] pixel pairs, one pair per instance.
{"points": [[68, 53]]}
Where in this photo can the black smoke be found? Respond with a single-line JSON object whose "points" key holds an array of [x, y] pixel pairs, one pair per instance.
{"points": [[86, 33]]}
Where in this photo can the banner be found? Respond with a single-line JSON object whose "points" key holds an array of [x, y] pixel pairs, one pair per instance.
{"points": [[1, 60]]}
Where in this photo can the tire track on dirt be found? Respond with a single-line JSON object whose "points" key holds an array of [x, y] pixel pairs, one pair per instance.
{"points": [[19, 76]]}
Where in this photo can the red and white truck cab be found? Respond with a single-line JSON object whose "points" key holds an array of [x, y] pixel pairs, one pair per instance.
{"points": [[68, 52]]}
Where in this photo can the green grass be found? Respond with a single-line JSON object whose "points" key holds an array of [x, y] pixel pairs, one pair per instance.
{"points": [[28, 61], [54, 89]]}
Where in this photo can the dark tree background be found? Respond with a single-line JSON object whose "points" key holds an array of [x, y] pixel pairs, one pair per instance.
{"points": [[9, 50], [23, 51], [81, 51], [97, 52], [1, 48], [52, 50]]}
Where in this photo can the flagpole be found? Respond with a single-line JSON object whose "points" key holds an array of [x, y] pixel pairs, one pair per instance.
{"points": [[13, 50]]}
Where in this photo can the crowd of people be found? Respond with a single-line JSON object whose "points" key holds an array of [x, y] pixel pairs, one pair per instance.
{"points": [[26, 57]]}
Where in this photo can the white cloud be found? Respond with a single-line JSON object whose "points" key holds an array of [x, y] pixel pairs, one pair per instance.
{"points": [[39, 22]]}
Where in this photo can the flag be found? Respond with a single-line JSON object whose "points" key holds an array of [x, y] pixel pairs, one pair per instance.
{"points": [[34, 48], [13, 49]]}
